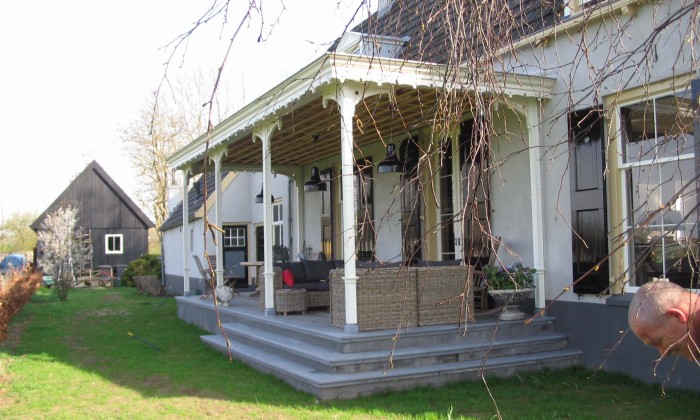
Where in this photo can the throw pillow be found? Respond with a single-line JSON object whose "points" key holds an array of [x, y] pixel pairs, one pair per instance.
{"points": [[288, 278]]}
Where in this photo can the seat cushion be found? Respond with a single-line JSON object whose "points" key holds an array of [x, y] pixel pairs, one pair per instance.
{"points": [[317, 270], [313, 286]]}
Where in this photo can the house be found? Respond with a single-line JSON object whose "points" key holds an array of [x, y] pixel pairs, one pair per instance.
{"points": [[117, 227], [571, 138], [241, 239]]}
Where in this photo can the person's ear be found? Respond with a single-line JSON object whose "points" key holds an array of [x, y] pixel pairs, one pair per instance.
{"points": [[677, 313]]}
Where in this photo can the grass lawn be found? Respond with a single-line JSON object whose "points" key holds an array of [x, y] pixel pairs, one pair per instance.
{"points": [[110, 353]]}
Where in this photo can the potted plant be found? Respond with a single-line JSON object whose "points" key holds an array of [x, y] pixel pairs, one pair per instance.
{"points": [[509, 287]]}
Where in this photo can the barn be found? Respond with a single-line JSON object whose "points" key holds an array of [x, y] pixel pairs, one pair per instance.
{"points": [[118, 228]]}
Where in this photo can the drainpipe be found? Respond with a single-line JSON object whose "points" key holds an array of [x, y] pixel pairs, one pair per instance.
{"points": [[185, 231], [536, 200]]}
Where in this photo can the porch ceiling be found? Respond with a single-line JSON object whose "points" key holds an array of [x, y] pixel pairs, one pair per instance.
{"points": [[377, 118], [409, 101]]}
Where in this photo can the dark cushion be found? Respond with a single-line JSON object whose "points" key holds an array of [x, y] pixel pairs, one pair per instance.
{"points": [[439, 263], [317, 270], [313, 286], [378, 264]]}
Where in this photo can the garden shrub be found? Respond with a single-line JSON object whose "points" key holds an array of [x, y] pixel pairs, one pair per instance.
{"points": [[14, 294], [144, 265]]}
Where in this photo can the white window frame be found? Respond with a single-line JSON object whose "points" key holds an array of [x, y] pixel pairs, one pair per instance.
{"points": [[234, 237], [623, 167], [119, 236]]}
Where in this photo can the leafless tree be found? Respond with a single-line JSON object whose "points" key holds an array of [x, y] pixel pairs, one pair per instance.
{"points": [[159, 130]]}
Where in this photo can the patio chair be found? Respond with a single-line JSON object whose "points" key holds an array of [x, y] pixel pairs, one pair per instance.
{"points": [[205, 272]]}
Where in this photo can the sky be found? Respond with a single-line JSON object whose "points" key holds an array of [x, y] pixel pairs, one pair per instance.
{"points": [[75, 72]]}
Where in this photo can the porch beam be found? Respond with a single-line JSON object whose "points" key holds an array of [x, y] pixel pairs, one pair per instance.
{"points": [[216, 156], [264, 133], [185, 231]]}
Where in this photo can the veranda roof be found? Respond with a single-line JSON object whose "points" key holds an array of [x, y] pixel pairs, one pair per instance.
{"points": [[304, 105]]}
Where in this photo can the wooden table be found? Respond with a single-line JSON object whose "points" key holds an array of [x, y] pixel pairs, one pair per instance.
{"points": [[257, 265]]}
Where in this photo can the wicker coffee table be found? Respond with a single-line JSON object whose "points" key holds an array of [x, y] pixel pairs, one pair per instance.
{"points": [[290, 300]]}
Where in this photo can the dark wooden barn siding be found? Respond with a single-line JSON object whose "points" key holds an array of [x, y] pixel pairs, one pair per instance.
{"points": [[100, 206], [135, 245], [103, 208]]}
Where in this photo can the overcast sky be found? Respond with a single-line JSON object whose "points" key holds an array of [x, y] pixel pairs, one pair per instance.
{"points": [[73, 72]]}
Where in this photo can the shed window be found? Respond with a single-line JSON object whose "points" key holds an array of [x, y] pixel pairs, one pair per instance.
{"points": [[114, 244]]}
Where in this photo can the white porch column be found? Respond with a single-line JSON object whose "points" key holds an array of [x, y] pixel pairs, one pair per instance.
{"points": [[185, 231], [347, 95], [264, 133], [535, 151], [297, 229], [216, 156]]}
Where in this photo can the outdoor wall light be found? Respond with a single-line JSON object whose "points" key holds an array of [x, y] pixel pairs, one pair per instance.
{"points": [[390, 163], [259, 197], [315, 183]]}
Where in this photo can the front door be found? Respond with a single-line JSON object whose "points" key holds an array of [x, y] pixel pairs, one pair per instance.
{"points": [[588, 202], [235, 252]]}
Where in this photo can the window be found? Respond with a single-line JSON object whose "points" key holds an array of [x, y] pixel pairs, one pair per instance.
{"points": [[277, 224], [234, 237], [659, 171], [447, 231], [114, 244], [576, 6], [327, 214], [363, 210]]}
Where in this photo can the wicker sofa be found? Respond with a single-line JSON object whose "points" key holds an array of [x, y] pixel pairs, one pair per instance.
{"points": [[400, 297], [311, 275]]}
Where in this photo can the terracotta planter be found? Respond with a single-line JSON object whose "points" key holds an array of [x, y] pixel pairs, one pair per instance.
{"points": [[510, 299]]}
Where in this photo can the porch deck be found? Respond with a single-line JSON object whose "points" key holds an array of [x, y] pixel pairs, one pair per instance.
{"points": [[311, 355]]}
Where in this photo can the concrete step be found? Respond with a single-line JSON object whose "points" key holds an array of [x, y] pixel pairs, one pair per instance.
{"points": [[326, 359], [325, 385]]}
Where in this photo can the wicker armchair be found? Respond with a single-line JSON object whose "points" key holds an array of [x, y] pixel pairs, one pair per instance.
{"points": [[445, 294], [401, 297], [386, 298]]}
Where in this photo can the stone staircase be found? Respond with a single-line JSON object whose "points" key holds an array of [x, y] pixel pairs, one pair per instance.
{"points": [[324, 361]]}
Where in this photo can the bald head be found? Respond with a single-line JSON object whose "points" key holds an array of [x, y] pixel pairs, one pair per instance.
{"points": [[661, 314]]}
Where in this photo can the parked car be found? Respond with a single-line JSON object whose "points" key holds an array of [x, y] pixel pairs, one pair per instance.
{"points": [[12, 262]]}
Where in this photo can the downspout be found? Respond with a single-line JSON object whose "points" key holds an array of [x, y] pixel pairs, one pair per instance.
{"points": [[290, 218]]}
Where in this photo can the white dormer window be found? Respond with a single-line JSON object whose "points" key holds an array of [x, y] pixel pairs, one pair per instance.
{"points": [[371, 45], [572, 7]]}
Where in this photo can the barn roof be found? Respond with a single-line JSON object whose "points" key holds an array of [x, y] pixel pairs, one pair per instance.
{"points": [[88, 200]]}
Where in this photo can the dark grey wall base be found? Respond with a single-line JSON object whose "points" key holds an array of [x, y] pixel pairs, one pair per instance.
{"points": [[174, 285], [597, 330]]}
